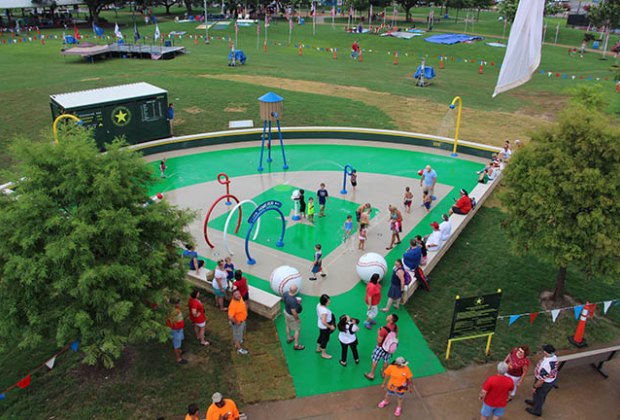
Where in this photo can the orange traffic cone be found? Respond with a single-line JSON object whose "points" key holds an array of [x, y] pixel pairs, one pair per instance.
{"points": [[196, 41], [335, 54], [396, 58], [360, 59], [577, 340], [480, 70], [301, 50], [265, 46], [441, 62], [42, 41]]}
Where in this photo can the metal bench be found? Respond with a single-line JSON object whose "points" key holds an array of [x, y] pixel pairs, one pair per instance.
{"points": [[595, 358], [263, 303]]}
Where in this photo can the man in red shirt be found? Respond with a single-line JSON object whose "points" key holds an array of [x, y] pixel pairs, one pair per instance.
{"points": [[373, 297], [494, 393], [379, 352]]}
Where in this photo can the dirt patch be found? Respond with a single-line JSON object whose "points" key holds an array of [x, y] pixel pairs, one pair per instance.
{"points": [[482, 126], [95, 374], [90, 79], [236, 109], [193, 110]]}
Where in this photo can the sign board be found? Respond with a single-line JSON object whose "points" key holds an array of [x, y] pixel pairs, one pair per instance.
{"points": [[474, 316], [258, 211]]}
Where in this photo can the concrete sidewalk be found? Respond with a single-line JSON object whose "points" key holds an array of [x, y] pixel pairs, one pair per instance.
{"points": [[582, 394]]}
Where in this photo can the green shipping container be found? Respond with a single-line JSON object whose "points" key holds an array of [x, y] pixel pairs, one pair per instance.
{"points": [[136, 111]]}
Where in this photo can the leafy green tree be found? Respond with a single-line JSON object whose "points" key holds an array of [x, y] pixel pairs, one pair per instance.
{"points": [[82, 256], [562, 194], [407, 5], [458, 5], [96, 6], [607, 14], [508, 9]]}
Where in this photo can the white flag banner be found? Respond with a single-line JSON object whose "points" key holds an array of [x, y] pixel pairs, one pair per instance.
{"points": [[117, 31], [50, 363], [524, 46], [554, 314], [157, 33], [606, 306]]}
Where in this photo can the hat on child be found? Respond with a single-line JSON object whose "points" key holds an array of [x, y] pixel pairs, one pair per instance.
{"points": [[400, 361], [217, 398]]}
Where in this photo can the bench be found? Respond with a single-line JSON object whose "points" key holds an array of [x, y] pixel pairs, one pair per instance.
{"points": [[263, 303], [480, 192], [595, 358]]}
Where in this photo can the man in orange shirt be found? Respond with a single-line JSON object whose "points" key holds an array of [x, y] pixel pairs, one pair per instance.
{"points": [[222, 409], [237, 314]]}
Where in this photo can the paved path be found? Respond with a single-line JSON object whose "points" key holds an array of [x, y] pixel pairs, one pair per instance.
{"points": [[582, 394]]}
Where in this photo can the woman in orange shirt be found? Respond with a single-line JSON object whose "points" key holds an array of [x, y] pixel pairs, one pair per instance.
{"points": [[396, 382]]}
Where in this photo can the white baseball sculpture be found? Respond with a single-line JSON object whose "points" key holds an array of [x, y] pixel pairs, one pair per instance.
{"points": [[283, 277], [369, 264]]}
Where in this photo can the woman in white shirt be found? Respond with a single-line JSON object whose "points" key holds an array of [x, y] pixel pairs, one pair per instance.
{"points": [[348, 327], [445, 228], [220, 284], [326, 325]]}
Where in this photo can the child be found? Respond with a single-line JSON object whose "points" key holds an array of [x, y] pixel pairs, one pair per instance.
{"points": [[483, 178], [424, 250], [317, 264], [162, 168], [353, 178], [241, 284], [230, 270], [302, 205], [348, 228], [348, 327], [363, 236], [311, 210], [408, 199], [397, 381], [323, 195], [427, 199]]}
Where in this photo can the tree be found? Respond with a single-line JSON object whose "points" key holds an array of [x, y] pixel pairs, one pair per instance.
{"points": [[508, 9], [168, 4], [407, 5], [562, 193], [82, 256], [95, 7], [458, 5], [481, 4], [607, 14]]}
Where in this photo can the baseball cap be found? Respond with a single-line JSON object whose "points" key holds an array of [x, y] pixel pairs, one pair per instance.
{"points": [[217, 398], [435, 225], [400, 361]]}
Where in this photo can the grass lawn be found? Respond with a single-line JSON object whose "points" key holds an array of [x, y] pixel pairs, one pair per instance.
{"points": [[480, 262]]}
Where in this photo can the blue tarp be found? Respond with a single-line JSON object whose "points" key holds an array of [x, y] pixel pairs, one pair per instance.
{"points": [[450, 39], [239, 57], [429, 72]]}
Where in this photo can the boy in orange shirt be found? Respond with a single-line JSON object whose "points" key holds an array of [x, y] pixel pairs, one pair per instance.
{"points": [[222, 409], [237, 314], [396, 382]]}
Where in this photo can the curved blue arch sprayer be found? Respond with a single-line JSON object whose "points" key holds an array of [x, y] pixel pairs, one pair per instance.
{"points": [[271, 205], [348, 170]]}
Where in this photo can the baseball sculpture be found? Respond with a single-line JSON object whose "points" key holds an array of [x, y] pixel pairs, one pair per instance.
{"points": [[283, 277], [369, 264]]}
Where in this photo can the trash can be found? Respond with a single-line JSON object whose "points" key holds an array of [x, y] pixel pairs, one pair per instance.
{"points": [[302, 21], [595, 45]]}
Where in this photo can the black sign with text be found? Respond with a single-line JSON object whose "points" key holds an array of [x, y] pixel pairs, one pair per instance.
{"points": [[475, 315]]}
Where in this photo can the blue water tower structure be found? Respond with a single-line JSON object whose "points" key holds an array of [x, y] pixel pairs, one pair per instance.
{"points": [[271, 107]]}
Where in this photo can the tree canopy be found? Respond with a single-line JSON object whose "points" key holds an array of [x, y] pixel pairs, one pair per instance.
{"points": [[82, 254], [562, 194]]}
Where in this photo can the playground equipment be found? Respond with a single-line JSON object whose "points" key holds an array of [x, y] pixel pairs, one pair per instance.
{"points": [[225, 235], [348, 170], [423, 74], [369, 264], [236, 57], [458, 122], [223, 179], [270, 205], [270, 111], [283, 277], [295, 197], [62, 117]]}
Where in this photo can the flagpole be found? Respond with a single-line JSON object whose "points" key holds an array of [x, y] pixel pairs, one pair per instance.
{"points": [[257, 35], [557, 32], [206, 24], [290, 29], [314, 19]]}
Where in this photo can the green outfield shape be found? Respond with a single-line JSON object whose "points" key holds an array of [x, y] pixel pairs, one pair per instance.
{"points": [[299, 238], [311, 374]]}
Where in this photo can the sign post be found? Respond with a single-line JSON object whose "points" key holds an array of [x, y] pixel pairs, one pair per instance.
{"points": [[474, 317]]}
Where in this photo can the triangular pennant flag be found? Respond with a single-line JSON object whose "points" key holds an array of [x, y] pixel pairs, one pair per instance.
{"points": [[577, 310], [533, 316], [592, 310], [24, 382], [513, 319], [2, 396], [75, 345], [606, 306], [50, 363], [554, 314]]}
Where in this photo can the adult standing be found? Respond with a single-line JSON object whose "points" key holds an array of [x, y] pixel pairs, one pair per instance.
{"points": [[445, 228], [222, 408], [361, 210], [396, 225], [494, 393], [365, 215], [177, 324], [428, 180], [433, 242], [355, 49], [397, 286], [545, 375], [463, 204], [237, 314], [348, 328], [292, 309], [197, 316], [396, 381], [379, 354], [326, 325], [322, 195], [220, 284], [518, 365], [171, 118], [373, 298]]}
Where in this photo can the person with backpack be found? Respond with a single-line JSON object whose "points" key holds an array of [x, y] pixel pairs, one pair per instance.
{"points": [[396, 381], [397, 286], [348, 328], [387, 344]]}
